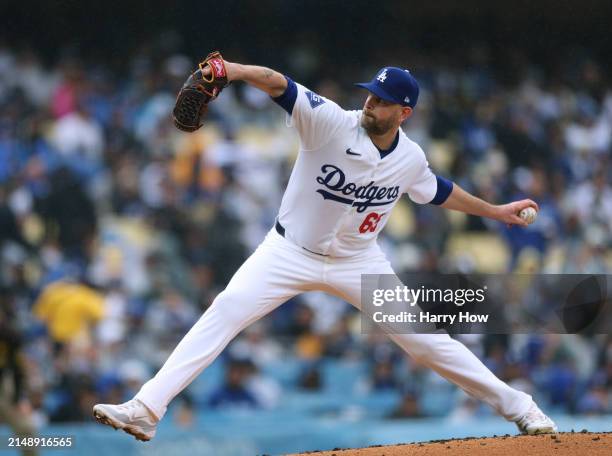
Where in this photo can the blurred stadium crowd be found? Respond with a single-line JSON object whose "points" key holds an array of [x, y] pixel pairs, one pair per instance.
{"points": [[117, 231]]}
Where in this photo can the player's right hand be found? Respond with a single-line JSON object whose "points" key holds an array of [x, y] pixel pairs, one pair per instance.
{"points": [[509, 213]]}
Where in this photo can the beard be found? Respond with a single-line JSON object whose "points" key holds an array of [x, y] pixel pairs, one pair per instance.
{"points": [[375, 126]]}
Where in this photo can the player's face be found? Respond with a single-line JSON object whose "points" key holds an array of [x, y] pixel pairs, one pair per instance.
{"points": [[379, 116]]}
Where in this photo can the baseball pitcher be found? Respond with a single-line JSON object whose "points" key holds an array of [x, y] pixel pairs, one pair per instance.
{"points": [[351, 170]]}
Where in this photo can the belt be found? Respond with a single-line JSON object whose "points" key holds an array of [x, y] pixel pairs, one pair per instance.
{"points": [[280, 229]]}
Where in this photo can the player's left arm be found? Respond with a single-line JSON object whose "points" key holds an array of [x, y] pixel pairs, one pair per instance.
{"points": [[460, 200], [315, 118], [270, 81]]}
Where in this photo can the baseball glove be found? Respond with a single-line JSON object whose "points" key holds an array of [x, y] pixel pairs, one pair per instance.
{"points": [[202, 86]]}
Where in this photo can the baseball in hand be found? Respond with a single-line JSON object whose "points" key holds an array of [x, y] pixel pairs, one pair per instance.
{"points": [[528, 214]]}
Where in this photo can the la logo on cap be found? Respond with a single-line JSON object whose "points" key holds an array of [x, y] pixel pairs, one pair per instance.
{"points": [[382, 76]]}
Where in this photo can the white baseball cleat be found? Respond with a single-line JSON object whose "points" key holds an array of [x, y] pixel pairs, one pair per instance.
{"points": [[131, 416], [535, 422]]}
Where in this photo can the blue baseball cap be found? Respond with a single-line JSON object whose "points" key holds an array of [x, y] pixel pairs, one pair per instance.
{"points": [[394, 85]]}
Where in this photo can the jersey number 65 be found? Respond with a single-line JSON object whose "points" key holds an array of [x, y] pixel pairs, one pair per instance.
{"points": [[370, 222]]}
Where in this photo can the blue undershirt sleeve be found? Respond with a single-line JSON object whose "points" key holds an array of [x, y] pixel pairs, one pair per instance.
{"points": [[287, 99], [445, 187]]}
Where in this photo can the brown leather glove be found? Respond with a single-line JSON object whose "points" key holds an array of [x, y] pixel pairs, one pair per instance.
{"points": [[203, 86]]}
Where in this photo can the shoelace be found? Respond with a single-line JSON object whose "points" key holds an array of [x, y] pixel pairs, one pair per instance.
{"points": [[533, 414], [128, 406], [133, 405]]}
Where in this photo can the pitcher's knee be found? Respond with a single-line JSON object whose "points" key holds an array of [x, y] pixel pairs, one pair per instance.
{"points": [[422, 347], [235, 307]]}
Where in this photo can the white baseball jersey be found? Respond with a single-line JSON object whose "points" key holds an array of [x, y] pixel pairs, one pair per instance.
{"points": [[341, 191]]}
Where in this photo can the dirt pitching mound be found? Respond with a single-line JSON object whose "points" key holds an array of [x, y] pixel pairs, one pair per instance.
{"points": [[562, 444]]}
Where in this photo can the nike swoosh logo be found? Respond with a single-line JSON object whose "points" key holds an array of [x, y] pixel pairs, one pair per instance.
{"points": [[350, 152]]}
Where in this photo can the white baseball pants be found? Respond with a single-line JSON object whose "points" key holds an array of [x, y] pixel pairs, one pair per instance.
{"points": [[279, 270]]}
